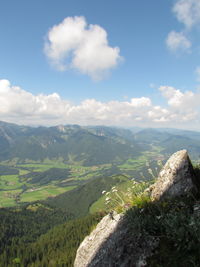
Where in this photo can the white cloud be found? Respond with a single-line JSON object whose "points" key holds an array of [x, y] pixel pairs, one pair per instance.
{"points": [[178, 99], [184, 106], [177, 41], [180, 110], [23, 106], [77, 45], [187, 12]]}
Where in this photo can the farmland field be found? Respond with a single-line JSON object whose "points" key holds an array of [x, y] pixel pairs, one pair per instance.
{"points": [[35, 181]]}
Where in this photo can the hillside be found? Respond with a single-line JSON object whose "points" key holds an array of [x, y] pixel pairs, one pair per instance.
{"points": [[79, 200], [90, 146], [73, 143], [53, 197]]}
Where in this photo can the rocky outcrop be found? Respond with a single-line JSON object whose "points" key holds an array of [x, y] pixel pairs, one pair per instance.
{"points": [[92, 243], [111, 243], [176, 178]]}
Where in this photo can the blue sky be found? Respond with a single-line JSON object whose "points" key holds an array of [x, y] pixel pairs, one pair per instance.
{"points": [[131, 63]]}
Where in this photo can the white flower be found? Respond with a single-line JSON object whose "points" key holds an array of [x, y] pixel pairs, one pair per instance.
{"points": [[108, 198], [114, 190], [103, 192]]}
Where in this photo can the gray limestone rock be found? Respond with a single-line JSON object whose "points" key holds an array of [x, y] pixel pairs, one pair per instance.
{"points": [[92, 243], [112, 245], [176, 178]]}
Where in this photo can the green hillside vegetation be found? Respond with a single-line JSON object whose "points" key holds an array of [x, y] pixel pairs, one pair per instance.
{"points": [[42, 193], [176, 142], [73, 143], [79, 200], [175, 223], [42, 235], [89, 146], [41, 178], [43, 162], [99, 205], [6, 170], [56, 247], [20, 227], [52, 177], [38, 181]]}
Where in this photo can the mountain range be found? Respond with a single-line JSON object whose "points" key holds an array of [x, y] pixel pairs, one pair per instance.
{"points": [[91, 145]]}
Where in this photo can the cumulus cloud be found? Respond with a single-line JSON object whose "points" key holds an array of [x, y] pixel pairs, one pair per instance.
{"points": [[16, 103], [74, 44], [183, 105], [187, 12], [19, 106], [177, 41]]}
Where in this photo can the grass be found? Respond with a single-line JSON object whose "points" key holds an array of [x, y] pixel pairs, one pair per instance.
{"points": [[77, 173], [174, 224], [7, 198], [134, 163], [121, 197], [99, 205], [8, 182], [43, 193]]}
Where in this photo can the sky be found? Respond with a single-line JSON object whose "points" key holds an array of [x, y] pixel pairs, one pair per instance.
{"points": [[115, 63]]}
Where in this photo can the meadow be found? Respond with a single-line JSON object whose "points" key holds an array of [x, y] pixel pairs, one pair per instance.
{"points": [[35, 181]]}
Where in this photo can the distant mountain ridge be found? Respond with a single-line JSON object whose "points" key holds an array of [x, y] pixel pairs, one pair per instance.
{"points": [[90, 145], [87, 145]]}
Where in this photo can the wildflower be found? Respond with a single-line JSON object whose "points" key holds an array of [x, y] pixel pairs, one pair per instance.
{"points": [[103, 192], [108, 198], [107, 193], [114, 190]]}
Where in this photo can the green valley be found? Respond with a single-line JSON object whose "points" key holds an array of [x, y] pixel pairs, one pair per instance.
{"points": [[52, 179]]}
